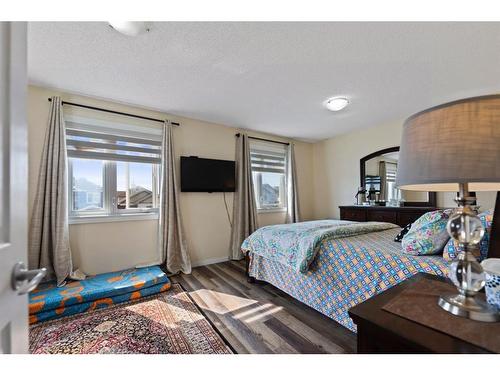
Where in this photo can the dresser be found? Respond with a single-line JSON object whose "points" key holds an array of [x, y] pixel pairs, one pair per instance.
{"points": [[396, 215]]}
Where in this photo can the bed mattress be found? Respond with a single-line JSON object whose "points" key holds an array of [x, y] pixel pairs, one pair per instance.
{"points": [[346, 272], [48, 301]]}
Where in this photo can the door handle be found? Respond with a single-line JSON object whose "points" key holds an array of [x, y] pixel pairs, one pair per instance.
{"points": [[24, 280]]}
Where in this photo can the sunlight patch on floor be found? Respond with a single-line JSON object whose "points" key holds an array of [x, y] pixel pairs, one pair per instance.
{"points": [[253, 311], [264, 314], [181, 313], [176, 313], [218, 302]]}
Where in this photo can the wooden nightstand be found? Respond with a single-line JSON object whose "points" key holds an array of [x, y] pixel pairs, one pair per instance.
{"points": [[380, 331]]}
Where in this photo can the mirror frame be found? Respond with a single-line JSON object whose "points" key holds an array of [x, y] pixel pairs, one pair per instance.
{"points": [[431, 202]]}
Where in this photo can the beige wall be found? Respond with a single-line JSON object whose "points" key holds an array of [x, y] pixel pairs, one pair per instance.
{"points": [[328, 176], [103, 247], [336, 168]]}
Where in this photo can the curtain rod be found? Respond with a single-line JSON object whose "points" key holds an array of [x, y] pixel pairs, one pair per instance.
{"points": [[114, 112], [267, 140]]}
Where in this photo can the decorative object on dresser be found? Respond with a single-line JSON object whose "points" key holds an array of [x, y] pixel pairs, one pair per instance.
{"points": [[406, 319], [456, 147], [401, 216], [378, 181]]}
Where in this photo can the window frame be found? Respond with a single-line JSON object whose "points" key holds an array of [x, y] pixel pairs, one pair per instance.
{"points": [[114, 196], [117, 130], [110, 211], [71, 211], [270, 209]]}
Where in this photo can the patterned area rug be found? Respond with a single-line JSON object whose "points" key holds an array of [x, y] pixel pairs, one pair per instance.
{"points": [[164, 323]]}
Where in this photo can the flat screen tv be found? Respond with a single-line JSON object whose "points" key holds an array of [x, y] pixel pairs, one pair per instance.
{"points": [[207, 175]]}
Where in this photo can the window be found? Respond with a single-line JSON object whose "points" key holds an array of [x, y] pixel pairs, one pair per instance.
{"points": [[268, 173], [113, 170], [137, 186], [87, 185], [390, 175]]}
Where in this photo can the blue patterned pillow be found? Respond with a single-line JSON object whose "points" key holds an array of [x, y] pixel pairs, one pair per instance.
{"points": [[451, 249], [427, 235]]}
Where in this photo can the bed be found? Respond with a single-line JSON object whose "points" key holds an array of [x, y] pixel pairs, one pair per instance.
{"points": [[334, 272]]}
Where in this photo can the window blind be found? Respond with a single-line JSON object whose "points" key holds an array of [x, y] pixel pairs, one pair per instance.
{"points": [[105, 143], [390, 171], [268, 158]]}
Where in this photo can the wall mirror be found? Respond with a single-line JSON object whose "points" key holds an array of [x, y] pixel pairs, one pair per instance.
{"points": [[378, 175]]}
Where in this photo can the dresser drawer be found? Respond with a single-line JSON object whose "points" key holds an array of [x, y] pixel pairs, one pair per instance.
{"points": [[352, 214], [385, 216], [397, 215], [405, 218]]}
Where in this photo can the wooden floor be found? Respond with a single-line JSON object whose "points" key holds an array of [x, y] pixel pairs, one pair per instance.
{"points": [[259, 318]]}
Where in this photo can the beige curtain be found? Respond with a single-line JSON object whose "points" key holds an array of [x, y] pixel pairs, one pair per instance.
{"points": [[293, 212], [382, 171], [244, 205], [49, 232], [173, 249]]}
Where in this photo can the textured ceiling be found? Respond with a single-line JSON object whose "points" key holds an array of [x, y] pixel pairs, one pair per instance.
{"points": [[272, 77]]}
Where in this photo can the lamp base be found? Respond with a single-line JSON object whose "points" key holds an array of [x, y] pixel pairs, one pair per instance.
{"points": [[469, 307]]}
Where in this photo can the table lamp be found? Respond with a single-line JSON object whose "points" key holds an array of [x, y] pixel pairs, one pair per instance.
{"points": [[456, 147]]}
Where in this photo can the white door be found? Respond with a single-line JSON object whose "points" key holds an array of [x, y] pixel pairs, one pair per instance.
{"points": [[15, 281]]}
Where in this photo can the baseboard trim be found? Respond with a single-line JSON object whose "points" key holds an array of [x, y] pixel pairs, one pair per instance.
{"points": [[206, 262]]}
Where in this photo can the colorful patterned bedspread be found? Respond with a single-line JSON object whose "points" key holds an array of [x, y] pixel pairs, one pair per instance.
{"points": [[48, 301], [346, 272], [297, 244]]}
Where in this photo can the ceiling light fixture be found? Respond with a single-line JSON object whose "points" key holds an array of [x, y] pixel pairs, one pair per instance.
{"points": [[336, 104], [130, 28]]}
